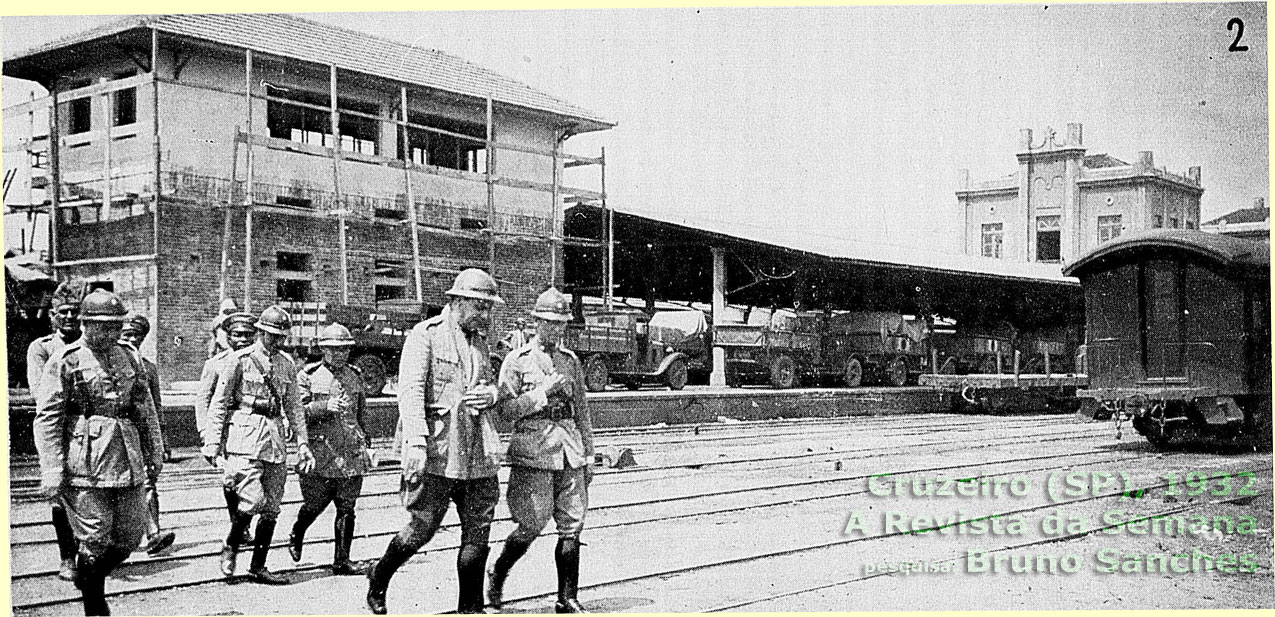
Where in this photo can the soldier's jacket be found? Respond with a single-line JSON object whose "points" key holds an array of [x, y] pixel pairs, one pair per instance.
{"points": [[540, 440], [39, 352], [207, 385], [253, 404], [439, 364], [95, 421], [337, 438], [151, 372]]}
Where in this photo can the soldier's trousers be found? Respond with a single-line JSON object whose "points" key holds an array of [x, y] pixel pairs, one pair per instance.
{"points": [[536, 494], [105, 518], [258, 484], [427, 501], [317, 492]]}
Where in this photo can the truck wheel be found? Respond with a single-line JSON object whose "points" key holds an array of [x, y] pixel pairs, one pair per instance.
{"points": [[675, 375], [374, 373], [783, 372], [853, 375], [896, 372], [595, 373]]}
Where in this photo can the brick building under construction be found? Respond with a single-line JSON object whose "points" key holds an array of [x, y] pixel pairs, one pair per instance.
{"points": [[268, 158]]}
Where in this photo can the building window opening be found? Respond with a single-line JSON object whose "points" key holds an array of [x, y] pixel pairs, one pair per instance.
{"points": [[1190, 224], [1049, 239], [1157, 221], [292, 262], [441, 150], [124, 111], [1173, 222], [289, 290], [80, 112], [992, 239], [309, 125], [1108, 227], [389, 279]]}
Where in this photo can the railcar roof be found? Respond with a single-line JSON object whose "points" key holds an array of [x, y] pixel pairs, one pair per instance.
{"points": [[1225, 250], [292, 37]]}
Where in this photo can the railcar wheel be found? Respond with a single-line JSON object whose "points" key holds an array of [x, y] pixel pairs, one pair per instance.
{"points": [[783, 372], [896, 372], [1159, 437], [675, 375], [595, 373], [853, 374], [373, 372]]}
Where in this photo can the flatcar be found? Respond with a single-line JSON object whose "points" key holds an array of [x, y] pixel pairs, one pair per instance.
{"points": [[1178, 335]]}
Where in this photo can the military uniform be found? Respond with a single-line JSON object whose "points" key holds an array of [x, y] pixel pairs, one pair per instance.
{"points": [[441, 362], [334, 401], [38, 354], [551, 450], [98, 438]]}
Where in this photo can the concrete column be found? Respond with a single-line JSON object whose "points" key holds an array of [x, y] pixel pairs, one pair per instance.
{"points": [[718, 377]]}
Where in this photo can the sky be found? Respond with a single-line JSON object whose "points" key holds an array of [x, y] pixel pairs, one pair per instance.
{"points": [[852, 122]]}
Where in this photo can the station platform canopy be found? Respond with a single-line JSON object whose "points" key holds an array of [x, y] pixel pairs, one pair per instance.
{"points": [[672, 260]]}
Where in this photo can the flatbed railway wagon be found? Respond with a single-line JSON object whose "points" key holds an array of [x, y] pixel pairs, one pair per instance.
{"points": [[1178, 335]]}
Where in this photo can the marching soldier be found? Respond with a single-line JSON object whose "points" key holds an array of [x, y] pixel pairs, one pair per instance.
{"points": [[240, 333], [333, 396], [450, 446], [64, 314], [96, 429], [136, 327], [255, 400], [551, 450]]}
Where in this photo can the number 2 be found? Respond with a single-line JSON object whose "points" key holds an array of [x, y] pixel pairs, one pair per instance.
{"points": [[1236, 24]]}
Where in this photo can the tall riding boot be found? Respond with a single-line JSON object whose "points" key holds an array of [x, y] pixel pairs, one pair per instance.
{"points": [[342, 538], [378, 576], [68, 548], [230, 549], [257, 571], [567, 557], [91, 581], [232, 507], [296, 539], [156, 539], [514, 549], [471, 563]]}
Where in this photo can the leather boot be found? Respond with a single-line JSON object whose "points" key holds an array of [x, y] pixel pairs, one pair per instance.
{"points": [[342, 538], [257, 571], [68, 548], [232, 507], [230, 549], [514, 550], [471, 564], [90, 579], [567, 558], [378, 576], [296, 539]]}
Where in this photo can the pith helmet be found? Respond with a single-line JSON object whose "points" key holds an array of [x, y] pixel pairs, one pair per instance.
{"points": [[274, 320], [335, 335], [139, 322], [69, 293], [240, 318], [552, 306], [474, 283], [102, 305]]}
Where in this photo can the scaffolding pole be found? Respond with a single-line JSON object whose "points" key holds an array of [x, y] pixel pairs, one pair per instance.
{"points": [[411, 196], [555, 230], [248, 188], [106, 149], [55, 172], [491, 192], [336, 183], [159, 181], [608, 291]]}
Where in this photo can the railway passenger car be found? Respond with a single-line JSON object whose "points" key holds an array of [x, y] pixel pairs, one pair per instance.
{"points": [[1178, 334]]}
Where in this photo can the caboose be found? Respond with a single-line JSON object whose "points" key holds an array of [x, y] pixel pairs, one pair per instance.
{"points": [[1178, 334]]}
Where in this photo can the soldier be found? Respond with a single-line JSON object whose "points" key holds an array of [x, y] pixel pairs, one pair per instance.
{"points": [[136, 327], [240, 333], [255, 400], [551, 450], [95, 430], [220, 339], [450, 446], [333, 396], [64, 315]]}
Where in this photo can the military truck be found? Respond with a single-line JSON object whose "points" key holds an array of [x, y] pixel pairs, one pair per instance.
{"points": [[379, 333]]}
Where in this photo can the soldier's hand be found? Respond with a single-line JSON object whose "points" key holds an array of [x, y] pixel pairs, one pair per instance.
{"points": [[554, 384], [49, 490], [339, 404], [414, 460], [370, 457], [480, 397], [588, 474], [155, 467], [305, 460]]}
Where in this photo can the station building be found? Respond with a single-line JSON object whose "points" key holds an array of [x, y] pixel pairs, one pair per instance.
{"points": [[272, 159], [1254, 222], [1063, 201]]}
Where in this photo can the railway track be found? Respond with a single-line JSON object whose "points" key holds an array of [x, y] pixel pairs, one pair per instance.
{"points": [[133, 570]]}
